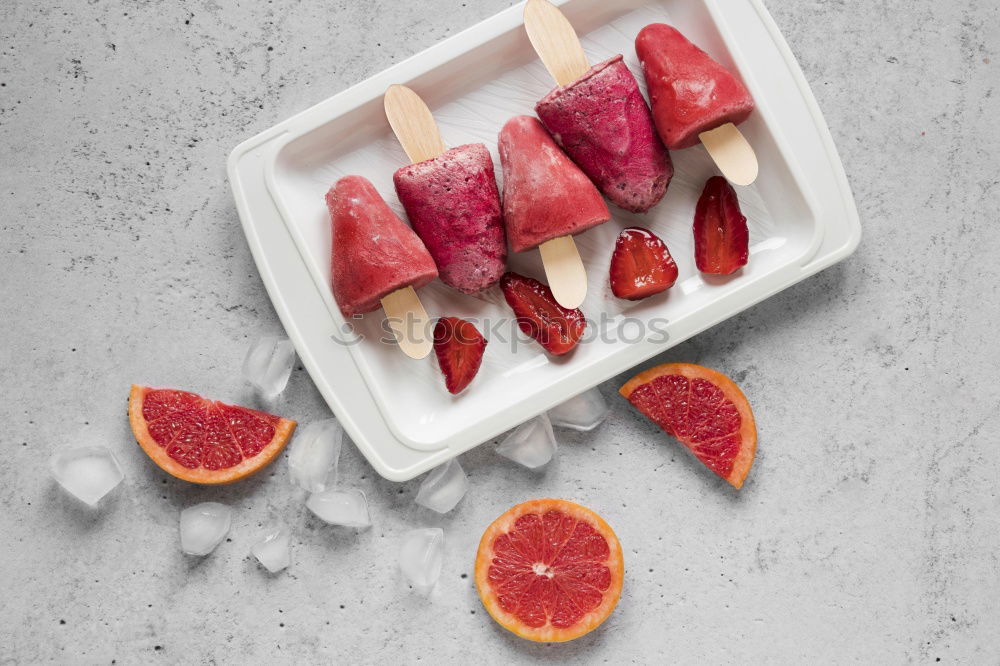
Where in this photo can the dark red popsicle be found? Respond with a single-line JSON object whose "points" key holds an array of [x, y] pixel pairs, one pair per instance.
{"points": [[454, 206], [601, 120]]}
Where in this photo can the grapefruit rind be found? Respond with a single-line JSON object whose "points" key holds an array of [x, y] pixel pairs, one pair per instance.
{"points": [[748, 427], [282, 433], [547, 633]]}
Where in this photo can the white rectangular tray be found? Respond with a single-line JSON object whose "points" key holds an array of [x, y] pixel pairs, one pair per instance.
{"points": [[801, 214]]}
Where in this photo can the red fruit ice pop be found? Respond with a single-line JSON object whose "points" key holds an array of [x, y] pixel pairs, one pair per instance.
{"points": [[690, 92], [721, 237], [374, 253], [454, 206], [601, 120], [545, 195]]}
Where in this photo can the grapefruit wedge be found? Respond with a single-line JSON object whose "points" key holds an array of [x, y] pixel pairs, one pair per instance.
{"points": [[549, 570], [203, 441], [704, 410]]}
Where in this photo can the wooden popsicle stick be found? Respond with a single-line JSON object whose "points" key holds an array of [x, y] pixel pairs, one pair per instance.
{"points": [[558, 47], [409, 321], [412, 123], [414, 126], [555, 41], [732, 153], [564, 271]]}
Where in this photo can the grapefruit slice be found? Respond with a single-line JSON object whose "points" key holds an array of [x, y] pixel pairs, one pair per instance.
{"points": [[203, 441], [549, 570], [704, 410]]}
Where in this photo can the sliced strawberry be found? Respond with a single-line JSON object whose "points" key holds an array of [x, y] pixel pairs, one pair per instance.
{"points": [[459, 347], [556, 328], [721, 238], [641, 265]]}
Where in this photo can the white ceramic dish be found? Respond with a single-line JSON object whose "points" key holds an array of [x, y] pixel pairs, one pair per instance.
{"points": [[801, 213]]}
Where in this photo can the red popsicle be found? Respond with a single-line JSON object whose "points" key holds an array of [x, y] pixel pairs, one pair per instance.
{"points": [[545, 195], [690, 92], [601, 120], [374, 253], [454, 206]]}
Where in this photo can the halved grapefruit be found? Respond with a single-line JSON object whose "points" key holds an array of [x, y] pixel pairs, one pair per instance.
{"points": [[704, 410], [203, 441], [549, 570]]}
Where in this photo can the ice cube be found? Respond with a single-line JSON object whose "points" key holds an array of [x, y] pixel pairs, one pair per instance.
{"points": [[273, 551], [420, 557], [88, 472], [268, 364], [315, 454], [443, 488], [531, 444], [583, 412], [204, 526], [341, 507]]}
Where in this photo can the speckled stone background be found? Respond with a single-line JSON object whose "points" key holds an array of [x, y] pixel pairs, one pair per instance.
{"points": [[869, 530]]}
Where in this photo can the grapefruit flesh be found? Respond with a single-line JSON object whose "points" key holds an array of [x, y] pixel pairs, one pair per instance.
{"points": [[204, 441], [704, 410], [549, 570]]}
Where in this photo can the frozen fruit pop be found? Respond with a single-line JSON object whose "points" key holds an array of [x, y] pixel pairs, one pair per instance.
{"points": [[690, 92], [601, 120], [454, 206], [545, 195], [374, 253]]}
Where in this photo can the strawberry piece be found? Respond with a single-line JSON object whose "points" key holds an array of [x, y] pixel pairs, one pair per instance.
{"points": [[459, 347], [721, 237], [554, 327], [641, 265]]}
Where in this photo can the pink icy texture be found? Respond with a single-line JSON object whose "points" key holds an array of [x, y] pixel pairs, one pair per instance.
{"points": [[545, 195], [690, 92], [603, 123], [454, 206], [374, 253]]}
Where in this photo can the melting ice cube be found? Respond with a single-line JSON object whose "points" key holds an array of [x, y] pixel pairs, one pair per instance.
{"points": [[273, 551], [268, 364], [204, 526], [420, 556], [531, 444], [341, 507], [584, 412], [315, 454], [88, 472], [443, 488]]}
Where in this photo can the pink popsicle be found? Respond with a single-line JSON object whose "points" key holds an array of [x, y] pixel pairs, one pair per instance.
{"points": [[545, 195], [690, 92], [454, 206], [601, 120], [374, 253]]}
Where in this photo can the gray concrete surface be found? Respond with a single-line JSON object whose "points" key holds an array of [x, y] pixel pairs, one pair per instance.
{"points": [[868, 530]]}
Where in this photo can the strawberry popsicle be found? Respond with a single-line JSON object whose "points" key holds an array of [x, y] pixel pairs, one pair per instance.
{"points": [[545, 195], [604, 125], [690, 93], [374, 253], [454, 206]]}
